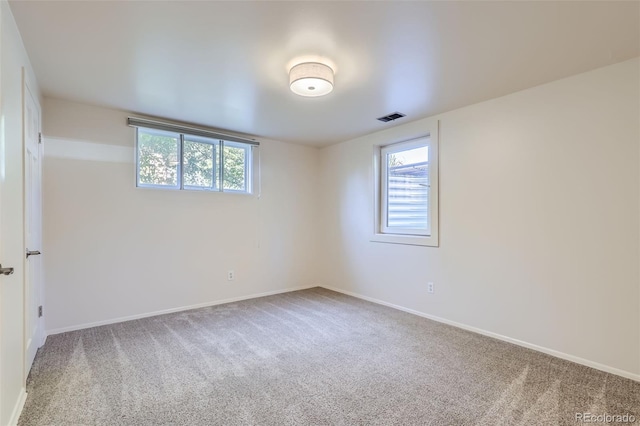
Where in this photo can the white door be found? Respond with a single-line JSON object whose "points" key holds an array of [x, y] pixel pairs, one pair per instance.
{"points": [[12, 253], [33, 227]]}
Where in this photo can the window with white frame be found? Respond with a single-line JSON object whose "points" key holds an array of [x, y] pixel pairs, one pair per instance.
{"points": [[179, 160], [407, 192]]}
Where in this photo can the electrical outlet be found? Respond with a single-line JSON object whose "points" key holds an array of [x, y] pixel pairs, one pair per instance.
{"points": [[430, 288], [231, 275]]}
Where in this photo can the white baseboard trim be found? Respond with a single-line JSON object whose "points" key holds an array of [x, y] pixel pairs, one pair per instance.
{"points": [[552, 352], [172, 310], [43, 338], [17, 409]]}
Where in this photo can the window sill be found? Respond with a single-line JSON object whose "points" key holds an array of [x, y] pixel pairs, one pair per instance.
{"points": [[412, 240], [160, 188]]}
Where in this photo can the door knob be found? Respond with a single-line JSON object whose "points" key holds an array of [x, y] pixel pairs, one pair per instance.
{"points": [[32, 253], [6, 271]]}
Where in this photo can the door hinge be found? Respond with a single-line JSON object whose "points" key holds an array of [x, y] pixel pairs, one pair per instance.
{"points": [[40, 137], [39, 311]]}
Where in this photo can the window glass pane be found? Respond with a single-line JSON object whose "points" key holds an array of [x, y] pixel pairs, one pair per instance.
{"points": [[200, 164], [158, 157], [408, 188], [235, 162]]}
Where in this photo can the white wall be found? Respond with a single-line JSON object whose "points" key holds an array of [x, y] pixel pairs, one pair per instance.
{"points": [[539, 219], [114, 250], [13, 58]]}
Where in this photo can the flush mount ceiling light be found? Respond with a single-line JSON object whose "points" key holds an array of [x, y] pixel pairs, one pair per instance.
{"points": [[311, 79]]}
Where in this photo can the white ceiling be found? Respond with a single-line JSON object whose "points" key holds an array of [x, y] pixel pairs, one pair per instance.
{"points": [[225, 64]]}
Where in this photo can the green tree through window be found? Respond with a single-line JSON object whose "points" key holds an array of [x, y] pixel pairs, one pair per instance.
{"points": [[188, 162], [158, 159], [234, 168], [200, 164]]}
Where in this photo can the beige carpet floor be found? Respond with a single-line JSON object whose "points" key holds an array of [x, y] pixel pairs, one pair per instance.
{"points": [[312, 357]]}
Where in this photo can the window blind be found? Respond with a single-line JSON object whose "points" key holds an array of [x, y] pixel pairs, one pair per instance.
{"points": [[186, 129]]}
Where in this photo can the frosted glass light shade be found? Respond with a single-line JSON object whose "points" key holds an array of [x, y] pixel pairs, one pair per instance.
{"points": [[311, 79]]}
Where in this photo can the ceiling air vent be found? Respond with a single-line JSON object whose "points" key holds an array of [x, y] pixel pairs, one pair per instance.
{"points": [[391, 117]]}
